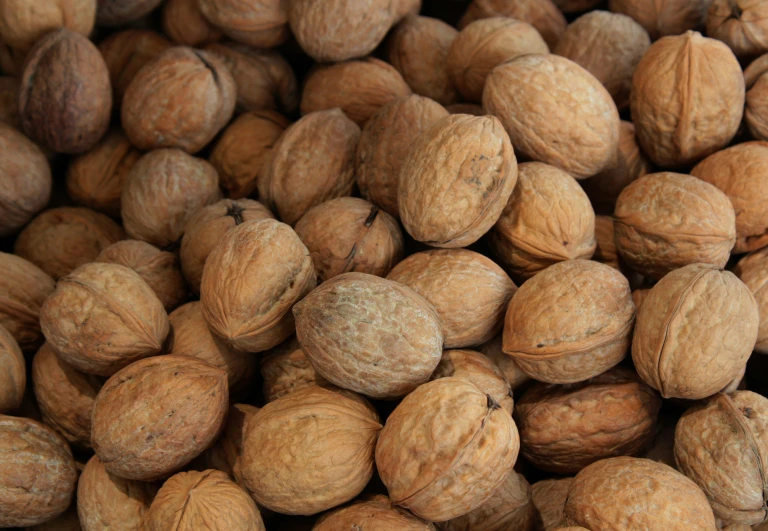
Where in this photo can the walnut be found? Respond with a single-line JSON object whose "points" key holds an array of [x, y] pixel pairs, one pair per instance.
{"points": [[511, 370], [376, 514], [541, 14], [286, 369], [226, 453], [9, 94], [739, 24], [549, 497], [605, 252], [13, 373], [479, 370], [184, 24], [258, 23], [113, 13], [403, 8], [665, 17], [639, 295], [753, 271]]}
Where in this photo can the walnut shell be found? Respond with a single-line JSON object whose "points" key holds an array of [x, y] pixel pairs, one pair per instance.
{"points": [[13, 373], [549, 497], [377, 514], [753, 271], [664, 17], [756, 109], [479, 370], [286, 369], [373, 336], [605, 252], [332, 439], [251, 280], [103, 317], [184, 24], [37, 473], [113, 13], [695, 332], [226, 453], [509, 367], [258, 23], [575, 6], [541, 14], [583, 322], [739, 24], [9, 94], [555, 112]]}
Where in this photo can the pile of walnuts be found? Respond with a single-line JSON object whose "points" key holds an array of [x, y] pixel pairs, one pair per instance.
{"points": [[384, 265]]}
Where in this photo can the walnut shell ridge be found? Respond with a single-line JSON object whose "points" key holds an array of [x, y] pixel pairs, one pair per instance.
{"points": [[479, 370], [376, 514], [740, 25], [549, 496], [13, 373], [286, 369]]}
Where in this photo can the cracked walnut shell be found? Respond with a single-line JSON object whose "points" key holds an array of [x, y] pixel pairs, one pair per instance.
{"points": [[13, 373], [752, 270]]}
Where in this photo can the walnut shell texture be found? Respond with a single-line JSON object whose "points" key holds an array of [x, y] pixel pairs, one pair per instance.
{"points": [[286, 369], [605, 252], [514, 375], [739, 24], [664, 17], [184, 24], [226, 453], [259, 23], [120, 12], [756, 110], [541, 14], [13, 373], [549, 497], [752, 270], [479, 370], [377, 514]]}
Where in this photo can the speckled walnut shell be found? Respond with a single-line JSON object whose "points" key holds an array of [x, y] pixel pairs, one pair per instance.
{"points": [[548, 219], [184, 24], [371, 335], [741, 24], [695, 332], [37, 473], [61, 239], [664, 221], [332, 438], [103, 317], [456, 180], [181, 99], [251, 280], [555, 112], [445, 449], [512, 372], [9, 107], [753, 271], [113, 13], [226, 453], [549, 497], [259, 23], [13, 373], [664, 17], [286, 369], [581, 326], [605, 252], [479, 370], [541, 14], [23, 289], [312, 162], [627, 492], [376, 514]]}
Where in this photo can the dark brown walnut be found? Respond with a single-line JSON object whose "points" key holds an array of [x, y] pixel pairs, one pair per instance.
{"points": [[541, 14], [512, 372], [37, 473], [753, 271], [548, 219], [384, 143], [162, 192], [446, 449], [662, 449], [156, 415], [466, 108], [181, 99], [555, 112], [359, 88], [681, 115], [479, 370], [13, 373], [605, 252], [9, 107], [627, 492], [483, 45], [258, 23], [312, 162], [570, 322], [286, 369], [103, 317], [664, 17], [113, 13], [66, 521], [664, 221], [468, 290], [185, 25], [403, 8], [549, 497], [207, 226], [741, 24], [695, 331], [226, 453], [61, 239], [251, 280], [23, 289], [332, 438], [375, 514], [370, 335]]}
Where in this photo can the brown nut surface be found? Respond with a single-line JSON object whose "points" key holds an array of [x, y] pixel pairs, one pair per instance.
{"points": [[286, 369], [756, 108], [226, 453], [664, 17], [377, 514], [119, 12], [512, 372], [185, 25], [605, 252], [13, 373], [549, 497], [541, 14], [741, 24], [259, 23], [695, 332], [752, 270], [479, 370]]}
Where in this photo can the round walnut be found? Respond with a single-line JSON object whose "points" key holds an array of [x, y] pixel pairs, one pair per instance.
{"points": [[510, 369], [605, 252], [9, 94], [13, 373], [664, 17], [61, 239], [741, 24], [456, 180], [259, 23], [103, 317], [376, 514], [549, 497], [541, 14], [312, 162], [684, 114], [181, 99], [664, 221], [628, 492], [112, 13], [447, 428], [371, 335], [479, 370], [756, 112], [582, 325], [753, 271], [555, 112], [37, 473], [226, 453], [185, 25], [332, 438], [695, 331]]}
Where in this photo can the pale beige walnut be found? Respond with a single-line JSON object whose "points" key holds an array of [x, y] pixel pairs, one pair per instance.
{"points": [[555, 112], [185, 25], [385, 142], [376, 514], [259, 23], [541, 14], [485, 44], [332, 438], [37, 473], [687, 99], [251, 280], [469, 291], [514, 375], [664, 17], [9, 108], [337, 30], [548, 219], [162, 192], [445, 449], [370, 335], [312, 162], [549, 497], [226, 453], [61, 239], [13, 373], [479, 370], [181, 99], [695, 332], [632, 493], [286, 369], [570, 322], [753, 271], [102, 317], [350, 234], [113, 13], [359, 88], [741, 24], [664, 221], [605, 252]]}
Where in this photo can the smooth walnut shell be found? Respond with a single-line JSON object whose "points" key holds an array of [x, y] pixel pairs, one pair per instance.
{"points": [[251, 280], [445, 449], [479, 370], [13, 373], [549, 497], [695, 332], [373, 336], [605, 252], [509, 367], [548, 219], [664, 17], [664, 221], [753, 271], [312, 162], [113, 13], [376, 514], [555, 112], [468, 290], [740, 24], [23, 289], [9, 95], [184, 24], [286, 369], [332, 439], [570, 322], [456, 180], [103, 317], [258, 23], [541, 14], [226, 454]]}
